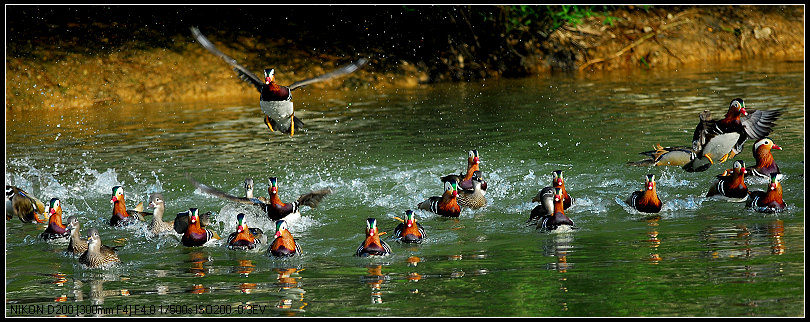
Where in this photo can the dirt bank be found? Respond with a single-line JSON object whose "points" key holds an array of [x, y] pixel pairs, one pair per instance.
{"points": [[61, 72]]}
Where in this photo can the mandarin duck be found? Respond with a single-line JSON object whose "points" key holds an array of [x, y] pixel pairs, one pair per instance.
{"points": [[755, 125], [372, 245], [556, 218], [465, 179], [273, 206], [646, 200], [245, 238], [707, 145], [274, 99], [56, 230], [284, 245], [770, 201], [546, 197], [24, 205], [97, 255], [409, 231], [157, 225], [765, 163], [191, 225], [473, 198], [277, 210], [731, 183], [77, 245], [121, 215], [445, 205], [666, 156]]}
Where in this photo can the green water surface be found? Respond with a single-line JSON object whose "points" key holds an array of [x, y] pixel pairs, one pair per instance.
{"points": [[382, 151]]}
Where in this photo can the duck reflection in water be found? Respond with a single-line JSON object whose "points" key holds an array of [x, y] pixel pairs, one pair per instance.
{"points": [[413, 261], [197, 259], [244, 269], [289, 287], [375, 279], [652, 238], [97, 292], [560, 246], [776, 230], [59, 280]]}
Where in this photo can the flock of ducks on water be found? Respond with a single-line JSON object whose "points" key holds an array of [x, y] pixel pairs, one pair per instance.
{"points": [[713, 142]]}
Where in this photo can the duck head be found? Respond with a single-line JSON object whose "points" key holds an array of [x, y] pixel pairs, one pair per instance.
{"points": [[650, 182], [736, 108], [766, 143], [472, 157], [371, 227], [117, 194], [54, 207], [240, 223], [451, 188], [281, 226], [249, 187], [269, 76], [739, 167], [410, 218], [193, 215], [557, 178], [273, 186], [155, 200], [775, 178]]}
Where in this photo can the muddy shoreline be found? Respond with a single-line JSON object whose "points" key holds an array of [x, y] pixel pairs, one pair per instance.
{"points": [[47, 71]]}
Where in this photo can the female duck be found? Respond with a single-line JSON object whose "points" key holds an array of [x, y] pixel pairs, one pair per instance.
{"points": [[77, 245], [98, 255]]}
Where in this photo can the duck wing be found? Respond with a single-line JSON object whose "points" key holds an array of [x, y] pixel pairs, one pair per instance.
{"points": [[350, 68], [223, 195], [243, 73]]}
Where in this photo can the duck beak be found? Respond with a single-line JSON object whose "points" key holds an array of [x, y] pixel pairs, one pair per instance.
{"points": [[239, 229], [776, 147], [113, 200], [274, 190], [409, 223], [455, 193], [650, 186], [742, 110], [52, 211], [475, 159]]}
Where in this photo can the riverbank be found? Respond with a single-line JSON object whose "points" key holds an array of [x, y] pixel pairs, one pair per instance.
{"points": [[90, 63]]}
